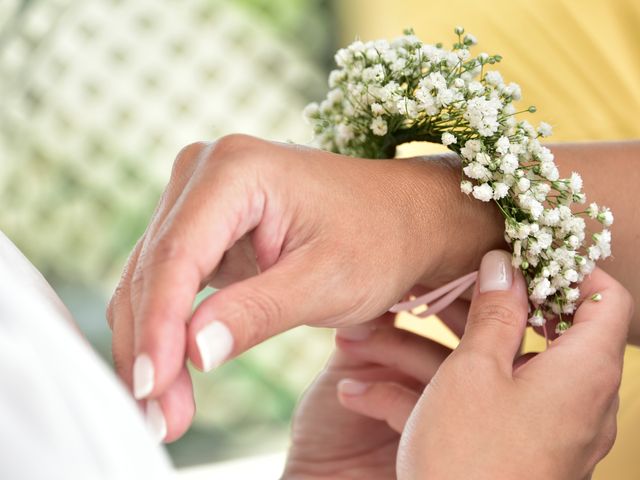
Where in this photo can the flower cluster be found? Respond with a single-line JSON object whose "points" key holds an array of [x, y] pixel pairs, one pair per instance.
{"points": [[385, 93]]}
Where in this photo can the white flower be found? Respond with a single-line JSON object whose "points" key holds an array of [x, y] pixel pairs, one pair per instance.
{"points": [[572, 294], [571, 275], [470, 39], [476, 171], [471, 147], [593, 210], [373, 74], [482, 114], [311, 111], [575, 182], [466, 187], [509, 163], [483, 159], [573, 241], [448, 139], [551, 217], [379, 126], [523, 184], [343, 133], [530, 204], [500, 190], [544, 129], [502, 145], [493, 78], [537, 319], [377, 109], [549, 171], [475, 88], [594, 252], [514, 91], [541, 290], [408, 107], [603, 241], [483, 192], [605, 217], [544, 238]]}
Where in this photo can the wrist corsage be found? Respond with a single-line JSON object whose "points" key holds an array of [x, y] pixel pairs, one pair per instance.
{"points": [[385, 93]]}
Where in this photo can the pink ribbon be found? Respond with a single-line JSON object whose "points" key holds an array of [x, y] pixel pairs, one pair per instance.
{"points": [[438, 299]]}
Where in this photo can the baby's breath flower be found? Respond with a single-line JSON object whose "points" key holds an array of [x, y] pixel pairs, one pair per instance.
{"points": [[483, 192], [379, 126], [544, 129], [466, 187], [448, 139], [386, 93], [537, 319]]}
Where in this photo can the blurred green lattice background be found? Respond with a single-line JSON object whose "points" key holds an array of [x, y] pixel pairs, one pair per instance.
{"points": [[96, 98]]}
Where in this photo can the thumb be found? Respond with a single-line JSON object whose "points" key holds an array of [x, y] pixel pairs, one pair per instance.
{"points": [[498, 312], [248, 312]]}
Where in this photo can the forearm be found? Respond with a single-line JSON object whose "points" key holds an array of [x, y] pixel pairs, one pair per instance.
{"points": [[611, 174]]}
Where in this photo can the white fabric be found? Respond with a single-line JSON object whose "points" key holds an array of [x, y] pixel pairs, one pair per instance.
{"points": [[63, 414]]}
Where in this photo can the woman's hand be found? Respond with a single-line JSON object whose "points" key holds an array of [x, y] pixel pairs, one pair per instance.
{"points": [[484, 415], [295, 236], [329, 441]]}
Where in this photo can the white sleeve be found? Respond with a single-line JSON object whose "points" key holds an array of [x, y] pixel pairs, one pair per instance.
{"points": [[63, 414]]}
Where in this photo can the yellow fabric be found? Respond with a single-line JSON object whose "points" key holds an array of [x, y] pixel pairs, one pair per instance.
{"points": [[578, 61]]}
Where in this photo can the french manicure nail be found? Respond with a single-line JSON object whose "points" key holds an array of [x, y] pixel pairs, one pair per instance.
{"points": [[496, 272], [352, 387], [156, 423], [354, 334], [143, 376], [215, 343]]}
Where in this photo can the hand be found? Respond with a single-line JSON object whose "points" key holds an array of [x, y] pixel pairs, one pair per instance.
{"points": [[329, 441], [317, 226], [550, 415]]}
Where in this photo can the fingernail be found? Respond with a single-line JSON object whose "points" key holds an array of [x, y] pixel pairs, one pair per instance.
{"points": [[156, 424], [354, 334], [496, 272], [143, 374], [215, 343], [352, 387]]}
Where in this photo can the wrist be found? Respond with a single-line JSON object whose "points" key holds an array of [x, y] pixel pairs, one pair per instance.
{"points": [[453, 231]]}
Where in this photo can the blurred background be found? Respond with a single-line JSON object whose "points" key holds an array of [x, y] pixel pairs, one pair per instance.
{"points": [[98, 96]]}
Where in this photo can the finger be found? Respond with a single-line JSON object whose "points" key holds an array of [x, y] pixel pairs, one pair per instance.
{"points": [[246, 313], [602, 325], [498, 312], [386, 401], [358, 332], [119, 311], [364, 330], [455, 316], [207, 219], [120, 318], [398, 349], [169, 416]]}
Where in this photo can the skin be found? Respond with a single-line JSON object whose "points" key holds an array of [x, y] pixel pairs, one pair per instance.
{"points": [[331, 441], [359, 232], [483, 415]]}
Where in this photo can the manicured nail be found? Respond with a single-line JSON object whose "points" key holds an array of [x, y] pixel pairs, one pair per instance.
{"points": [[354, 334], [496, 272], [352, 387], [156, 424], [143, 376], [215, 343]]}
